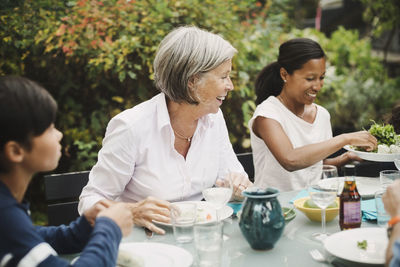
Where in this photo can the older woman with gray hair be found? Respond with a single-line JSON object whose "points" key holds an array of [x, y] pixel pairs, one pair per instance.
{"points": [[176, 144]]}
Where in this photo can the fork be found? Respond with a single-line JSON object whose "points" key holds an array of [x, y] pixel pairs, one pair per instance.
{"points": [[287, 212]]}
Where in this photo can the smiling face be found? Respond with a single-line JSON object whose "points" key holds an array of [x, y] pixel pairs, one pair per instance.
{"points": [[213, 86], [303, 84], [45, 151]]}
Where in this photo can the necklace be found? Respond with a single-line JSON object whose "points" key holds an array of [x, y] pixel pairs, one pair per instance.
{"points": [[181, 136], [283, 102]]}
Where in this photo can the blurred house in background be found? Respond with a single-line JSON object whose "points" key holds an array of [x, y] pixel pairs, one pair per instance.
{"points": [[328, 15]]}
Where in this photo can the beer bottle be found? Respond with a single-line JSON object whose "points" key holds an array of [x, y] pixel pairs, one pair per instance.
{"points": [[350, 201]]}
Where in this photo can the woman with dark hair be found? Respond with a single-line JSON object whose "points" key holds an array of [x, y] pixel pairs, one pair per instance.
{"points": [[291, 136]]}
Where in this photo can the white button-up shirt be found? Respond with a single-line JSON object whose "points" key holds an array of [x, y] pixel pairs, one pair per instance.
{"points": [[138, 158]]}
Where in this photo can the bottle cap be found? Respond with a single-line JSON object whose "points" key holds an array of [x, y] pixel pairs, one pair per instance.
{"points": [[349, 170]]}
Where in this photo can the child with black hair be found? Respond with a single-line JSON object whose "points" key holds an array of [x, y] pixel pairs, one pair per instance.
{"points": [[29, 143]]}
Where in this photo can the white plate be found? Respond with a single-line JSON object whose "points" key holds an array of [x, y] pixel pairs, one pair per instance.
{"points": [[372, 156], [159, 254], [366, 186], [202, 206], [344, 245]]}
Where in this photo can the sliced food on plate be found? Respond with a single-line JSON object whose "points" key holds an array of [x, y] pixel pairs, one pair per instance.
{"points": [[207, 213], [129, 259]]}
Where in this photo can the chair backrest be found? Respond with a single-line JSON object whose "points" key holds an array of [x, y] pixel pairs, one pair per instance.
{"points": [[62, 194], [372, 169], [246, 159]]}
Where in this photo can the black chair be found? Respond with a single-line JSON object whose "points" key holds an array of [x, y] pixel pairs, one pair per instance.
{"points": [[372, 169], [62, 194], [246, 159]]}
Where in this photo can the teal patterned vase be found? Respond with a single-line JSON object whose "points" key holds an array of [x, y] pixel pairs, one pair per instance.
{"points": [[261, 219]]}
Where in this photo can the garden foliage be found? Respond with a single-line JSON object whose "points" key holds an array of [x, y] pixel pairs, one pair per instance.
{"points": [[95, 57]]}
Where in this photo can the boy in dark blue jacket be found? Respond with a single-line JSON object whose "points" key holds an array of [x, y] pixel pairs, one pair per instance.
{"points": [[29, 143]]}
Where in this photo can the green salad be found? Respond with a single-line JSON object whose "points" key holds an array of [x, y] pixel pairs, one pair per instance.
{"points": [[362, 244], [388, 140]]}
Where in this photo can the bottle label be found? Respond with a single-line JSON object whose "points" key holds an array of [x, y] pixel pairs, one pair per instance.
{"points": [[351, 212]]}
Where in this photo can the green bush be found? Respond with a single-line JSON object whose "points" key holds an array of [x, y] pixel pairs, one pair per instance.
{"points": [[95, 57]]}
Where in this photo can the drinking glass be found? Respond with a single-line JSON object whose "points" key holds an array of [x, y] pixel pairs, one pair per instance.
{"points": [[208, 240], [183, 217], [382, 217], [323, 198], [219, 194], [397, 163], [387, 177]]}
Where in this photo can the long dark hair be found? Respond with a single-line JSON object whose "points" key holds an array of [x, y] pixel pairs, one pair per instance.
{"points": [[293, 54]]}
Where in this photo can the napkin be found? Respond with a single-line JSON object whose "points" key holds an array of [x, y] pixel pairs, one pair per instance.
{"points": [[236, 206], [368, 210], [302, 193]]}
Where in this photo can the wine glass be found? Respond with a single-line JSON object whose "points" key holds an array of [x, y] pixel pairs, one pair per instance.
{"points": [[323, 197], [219, 194], [329, 171]]}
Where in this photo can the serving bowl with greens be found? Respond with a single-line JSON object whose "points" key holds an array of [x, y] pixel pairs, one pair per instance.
{"points": [[388, 144]]}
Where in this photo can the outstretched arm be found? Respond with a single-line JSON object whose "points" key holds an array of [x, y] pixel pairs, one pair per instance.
{"points": [[293, 159]]}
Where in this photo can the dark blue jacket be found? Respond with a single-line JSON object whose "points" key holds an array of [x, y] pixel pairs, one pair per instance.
{"points": [[21, 241]]}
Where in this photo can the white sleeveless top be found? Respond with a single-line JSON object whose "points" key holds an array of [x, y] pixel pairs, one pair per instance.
{"points": [[268, 171]]}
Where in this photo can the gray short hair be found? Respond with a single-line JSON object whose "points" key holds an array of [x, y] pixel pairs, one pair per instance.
{"points": [[184, 53]]}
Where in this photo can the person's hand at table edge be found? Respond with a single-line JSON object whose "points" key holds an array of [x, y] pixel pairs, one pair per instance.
{"points": [[121, 215], [151, 209], [239, 183], [92, 213]]}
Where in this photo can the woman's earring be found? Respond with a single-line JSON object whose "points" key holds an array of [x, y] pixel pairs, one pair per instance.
{"points": [[284, 81]]}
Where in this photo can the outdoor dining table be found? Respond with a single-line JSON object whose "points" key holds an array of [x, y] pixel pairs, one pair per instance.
{"points": [[292, 249]]}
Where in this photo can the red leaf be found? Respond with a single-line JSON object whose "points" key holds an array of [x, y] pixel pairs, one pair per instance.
{"points": [[93, 43], [108, 40], [61, 30], [81, 3], [67, 50]]}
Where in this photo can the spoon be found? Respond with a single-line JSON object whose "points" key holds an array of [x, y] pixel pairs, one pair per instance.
{"points": [[287, 212]]}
